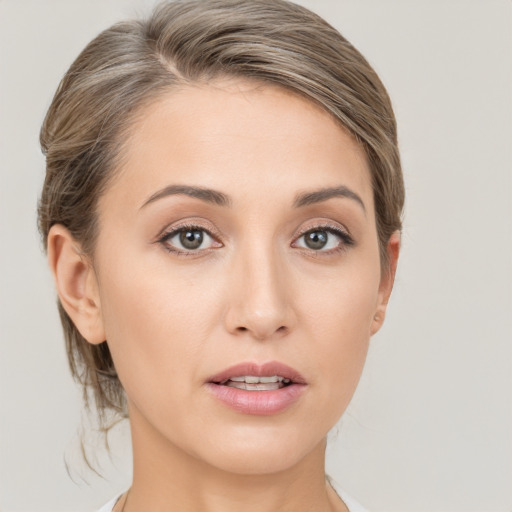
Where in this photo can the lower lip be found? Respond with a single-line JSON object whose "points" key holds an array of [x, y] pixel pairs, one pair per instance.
{"points": [[262, 403]]}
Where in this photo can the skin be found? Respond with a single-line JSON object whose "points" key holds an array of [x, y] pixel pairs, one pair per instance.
{"points": [[253, 292]]}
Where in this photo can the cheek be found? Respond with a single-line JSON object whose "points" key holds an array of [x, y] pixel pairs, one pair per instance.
{"points": [[156, 321], [340, 304], [338, 317]]}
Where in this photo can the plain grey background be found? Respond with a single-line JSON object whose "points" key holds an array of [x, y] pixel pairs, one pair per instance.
{"points": [[430, 427]]}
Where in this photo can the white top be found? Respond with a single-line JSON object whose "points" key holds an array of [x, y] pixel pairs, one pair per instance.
{"points": [[110, 505], [351, 503]]}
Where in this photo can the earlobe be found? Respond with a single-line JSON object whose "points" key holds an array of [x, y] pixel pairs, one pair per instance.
{"points": [[76, 283], [386, 282]]}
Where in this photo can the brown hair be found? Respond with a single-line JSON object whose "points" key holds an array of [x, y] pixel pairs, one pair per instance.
{"points": [[189, 41]]}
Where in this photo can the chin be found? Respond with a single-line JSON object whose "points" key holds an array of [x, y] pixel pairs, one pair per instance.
{"points": [[260, 454], [258, 462]]}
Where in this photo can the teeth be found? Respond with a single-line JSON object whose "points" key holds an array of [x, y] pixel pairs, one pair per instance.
{"points": [[253, 383], [251, 379], [261, 386], [274, 378]]}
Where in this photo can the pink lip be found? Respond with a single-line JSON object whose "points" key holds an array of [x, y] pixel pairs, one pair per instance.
{"points": [[261, 403]]}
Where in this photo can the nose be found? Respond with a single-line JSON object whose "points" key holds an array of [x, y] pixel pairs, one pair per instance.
{"points": [[260, 294]]}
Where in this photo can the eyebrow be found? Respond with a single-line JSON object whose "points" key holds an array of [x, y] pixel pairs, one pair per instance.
{"points": [[215, 197], [324, 194], [205, 194]]}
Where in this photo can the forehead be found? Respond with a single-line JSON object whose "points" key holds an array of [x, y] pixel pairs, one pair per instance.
{"points": [[238, 136]]}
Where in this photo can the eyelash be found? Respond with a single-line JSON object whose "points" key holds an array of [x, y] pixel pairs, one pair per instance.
{"points": [[166, 236], [346, 240]]}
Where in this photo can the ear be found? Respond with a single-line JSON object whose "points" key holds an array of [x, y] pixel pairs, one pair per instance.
{"points": [[76, 283], [386, 282]]}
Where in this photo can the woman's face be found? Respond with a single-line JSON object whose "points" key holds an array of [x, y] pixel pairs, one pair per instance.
{"points": [[240, 230]]}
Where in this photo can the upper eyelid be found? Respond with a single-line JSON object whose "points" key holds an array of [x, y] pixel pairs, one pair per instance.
{"points": [[174, 229], [325, 226], [321, 226]]}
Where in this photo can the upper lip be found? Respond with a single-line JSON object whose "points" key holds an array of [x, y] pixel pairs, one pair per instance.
{"points": [[259, 370]]}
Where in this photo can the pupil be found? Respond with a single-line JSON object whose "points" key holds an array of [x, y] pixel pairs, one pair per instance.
{"points": [[316, 239], [191, 239]]}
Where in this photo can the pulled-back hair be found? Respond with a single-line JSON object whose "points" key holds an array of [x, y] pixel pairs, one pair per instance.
{"points": [[195, 41]]}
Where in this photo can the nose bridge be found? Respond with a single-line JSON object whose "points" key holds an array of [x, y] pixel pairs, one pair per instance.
{"points": [[260, 302]]}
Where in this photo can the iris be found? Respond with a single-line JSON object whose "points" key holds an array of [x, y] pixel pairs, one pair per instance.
{"points": [[316, 239], [191, 239]]}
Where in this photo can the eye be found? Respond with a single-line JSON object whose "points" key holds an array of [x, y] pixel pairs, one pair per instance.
{"points": [[188, 239], [324, 239]]}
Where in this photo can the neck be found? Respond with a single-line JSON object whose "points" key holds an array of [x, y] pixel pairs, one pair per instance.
{"points": [[167, 478]]}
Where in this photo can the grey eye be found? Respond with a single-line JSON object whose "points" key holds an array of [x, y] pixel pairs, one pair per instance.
{"points": [[316, 239], [189, 239], [319, 239]]}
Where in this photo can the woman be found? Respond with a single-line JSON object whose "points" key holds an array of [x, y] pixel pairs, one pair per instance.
{"points": [[222, 217]]}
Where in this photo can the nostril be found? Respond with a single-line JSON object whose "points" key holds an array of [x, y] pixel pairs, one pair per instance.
{"points": [[260, 335]]}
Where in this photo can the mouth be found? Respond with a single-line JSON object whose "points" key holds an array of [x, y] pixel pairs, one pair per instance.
{"points": [[255, 377], [251, 388]]}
